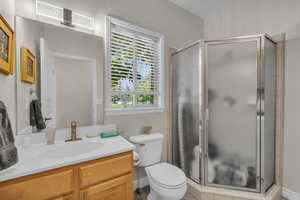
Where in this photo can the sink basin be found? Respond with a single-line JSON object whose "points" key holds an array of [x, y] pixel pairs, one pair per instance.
{"points": [[71, 149]]}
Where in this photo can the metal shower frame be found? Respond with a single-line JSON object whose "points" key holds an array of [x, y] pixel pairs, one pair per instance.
{"points": [[260, 40]]}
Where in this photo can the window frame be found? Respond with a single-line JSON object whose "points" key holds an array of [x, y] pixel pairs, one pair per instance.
{"points": [[138, 109]]}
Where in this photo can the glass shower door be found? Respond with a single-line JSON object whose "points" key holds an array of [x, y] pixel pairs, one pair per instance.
{"points": [[232, 120], [268, 118], [186, 111]]}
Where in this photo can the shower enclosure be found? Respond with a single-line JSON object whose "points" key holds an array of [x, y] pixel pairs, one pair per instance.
{"points": [[224, 103]]}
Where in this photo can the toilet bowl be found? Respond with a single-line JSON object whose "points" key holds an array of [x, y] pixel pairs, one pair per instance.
{"points": [[167, 182]]}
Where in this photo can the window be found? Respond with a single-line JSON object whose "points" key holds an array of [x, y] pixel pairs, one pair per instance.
{"points": [[133, 68]]}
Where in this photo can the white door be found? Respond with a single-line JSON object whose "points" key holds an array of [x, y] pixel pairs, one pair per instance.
{"points": [[48, 84]]}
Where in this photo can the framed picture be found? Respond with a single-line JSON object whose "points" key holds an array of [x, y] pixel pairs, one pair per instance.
{"points": [[6, 47], [28, 66]]}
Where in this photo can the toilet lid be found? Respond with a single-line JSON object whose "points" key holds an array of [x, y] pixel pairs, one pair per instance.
{"points": [[167, 175]]}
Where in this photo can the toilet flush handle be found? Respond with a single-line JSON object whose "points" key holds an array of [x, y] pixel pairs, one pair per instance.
{"points": [[141, 144]]}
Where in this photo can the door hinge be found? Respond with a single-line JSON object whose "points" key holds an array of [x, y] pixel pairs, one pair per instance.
{"points": [[260, 180]]}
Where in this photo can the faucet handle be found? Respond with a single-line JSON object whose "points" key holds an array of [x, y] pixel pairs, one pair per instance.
{"points": [[73, 132]]}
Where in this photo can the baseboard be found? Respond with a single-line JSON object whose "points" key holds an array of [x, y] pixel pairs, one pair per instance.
{"points": [[142, 182], [290, 195]]}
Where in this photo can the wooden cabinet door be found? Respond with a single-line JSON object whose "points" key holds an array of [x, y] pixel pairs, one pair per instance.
{"points": [[105, 169], [44, 187], [116, 189]]}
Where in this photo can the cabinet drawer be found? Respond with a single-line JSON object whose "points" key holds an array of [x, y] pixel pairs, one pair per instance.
{"points": [[116, 189], [44, 187], [105, 169]]}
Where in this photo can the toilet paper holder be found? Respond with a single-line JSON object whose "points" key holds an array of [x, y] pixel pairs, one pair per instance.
{"points": [[136, 158]]}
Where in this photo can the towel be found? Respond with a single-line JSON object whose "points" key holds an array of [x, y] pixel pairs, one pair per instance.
{"points": [[109, 134], [36, 116], [6, 132], [8, 150]]}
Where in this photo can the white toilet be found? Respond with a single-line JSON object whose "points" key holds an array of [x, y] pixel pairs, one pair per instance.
{"points": [[167, 182]]}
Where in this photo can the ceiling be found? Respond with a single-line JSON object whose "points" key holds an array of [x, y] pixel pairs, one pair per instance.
{"points": [[201, 8]]}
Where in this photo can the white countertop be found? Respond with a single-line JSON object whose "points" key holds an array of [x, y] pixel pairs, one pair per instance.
{"points": [[42, 157]]}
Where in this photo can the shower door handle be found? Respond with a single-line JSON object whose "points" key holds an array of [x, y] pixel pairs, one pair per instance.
{"points": [[206, 114], [200, 140]]}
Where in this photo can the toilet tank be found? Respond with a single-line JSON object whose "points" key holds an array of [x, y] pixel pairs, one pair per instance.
{"points": [[149, 148]]}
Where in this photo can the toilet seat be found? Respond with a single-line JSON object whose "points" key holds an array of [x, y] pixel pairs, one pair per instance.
{"points": [[166, 176]]}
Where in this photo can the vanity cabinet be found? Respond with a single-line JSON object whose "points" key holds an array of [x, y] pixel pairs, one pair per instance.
{"points": [[110, 167], [48, 185], [109, 178], [116, 189]]}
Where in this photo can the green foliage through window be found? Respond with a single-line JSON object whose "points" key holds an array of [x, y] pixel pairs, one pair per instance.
{"points": [[134, 69]]}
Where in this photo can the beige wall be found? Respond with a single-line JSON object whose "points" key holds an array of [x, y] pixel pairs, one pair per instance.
{"points": [[179, 27], [272, 17], [7, 83]]}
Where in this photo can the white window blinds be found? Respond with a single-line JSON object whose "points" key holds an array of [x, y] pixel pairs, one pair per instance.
{"points": [[133, 68]]}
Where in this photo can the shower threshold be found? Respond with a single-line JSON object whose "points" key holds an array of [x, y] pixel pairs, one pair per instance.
{"points": [[212, 193]]}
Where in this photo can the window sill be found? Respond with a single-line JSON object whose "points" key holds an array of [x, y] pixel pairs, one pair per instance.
{"points": [[133, 111]]}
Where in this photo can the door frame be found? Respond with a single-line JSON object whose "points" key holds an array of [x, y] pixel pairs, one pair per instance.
{"points": [[263, 176]]}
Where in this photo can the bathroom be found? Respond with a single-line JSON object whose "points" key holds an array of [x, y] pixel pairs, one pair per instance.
{"points": [[112, 122]]}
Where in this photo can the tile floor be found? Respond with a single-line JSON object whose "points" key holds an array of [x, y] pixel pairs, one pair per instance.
{"points": [[145, 191]]}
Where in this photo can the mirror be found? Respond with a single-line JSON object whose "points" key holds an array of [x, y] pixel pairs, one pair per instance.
{"points": [[59, 73]]}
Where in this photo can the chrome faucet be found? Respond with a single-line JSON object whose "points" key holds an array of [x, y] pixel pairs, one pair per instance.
{"points": [[73, 132]]}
